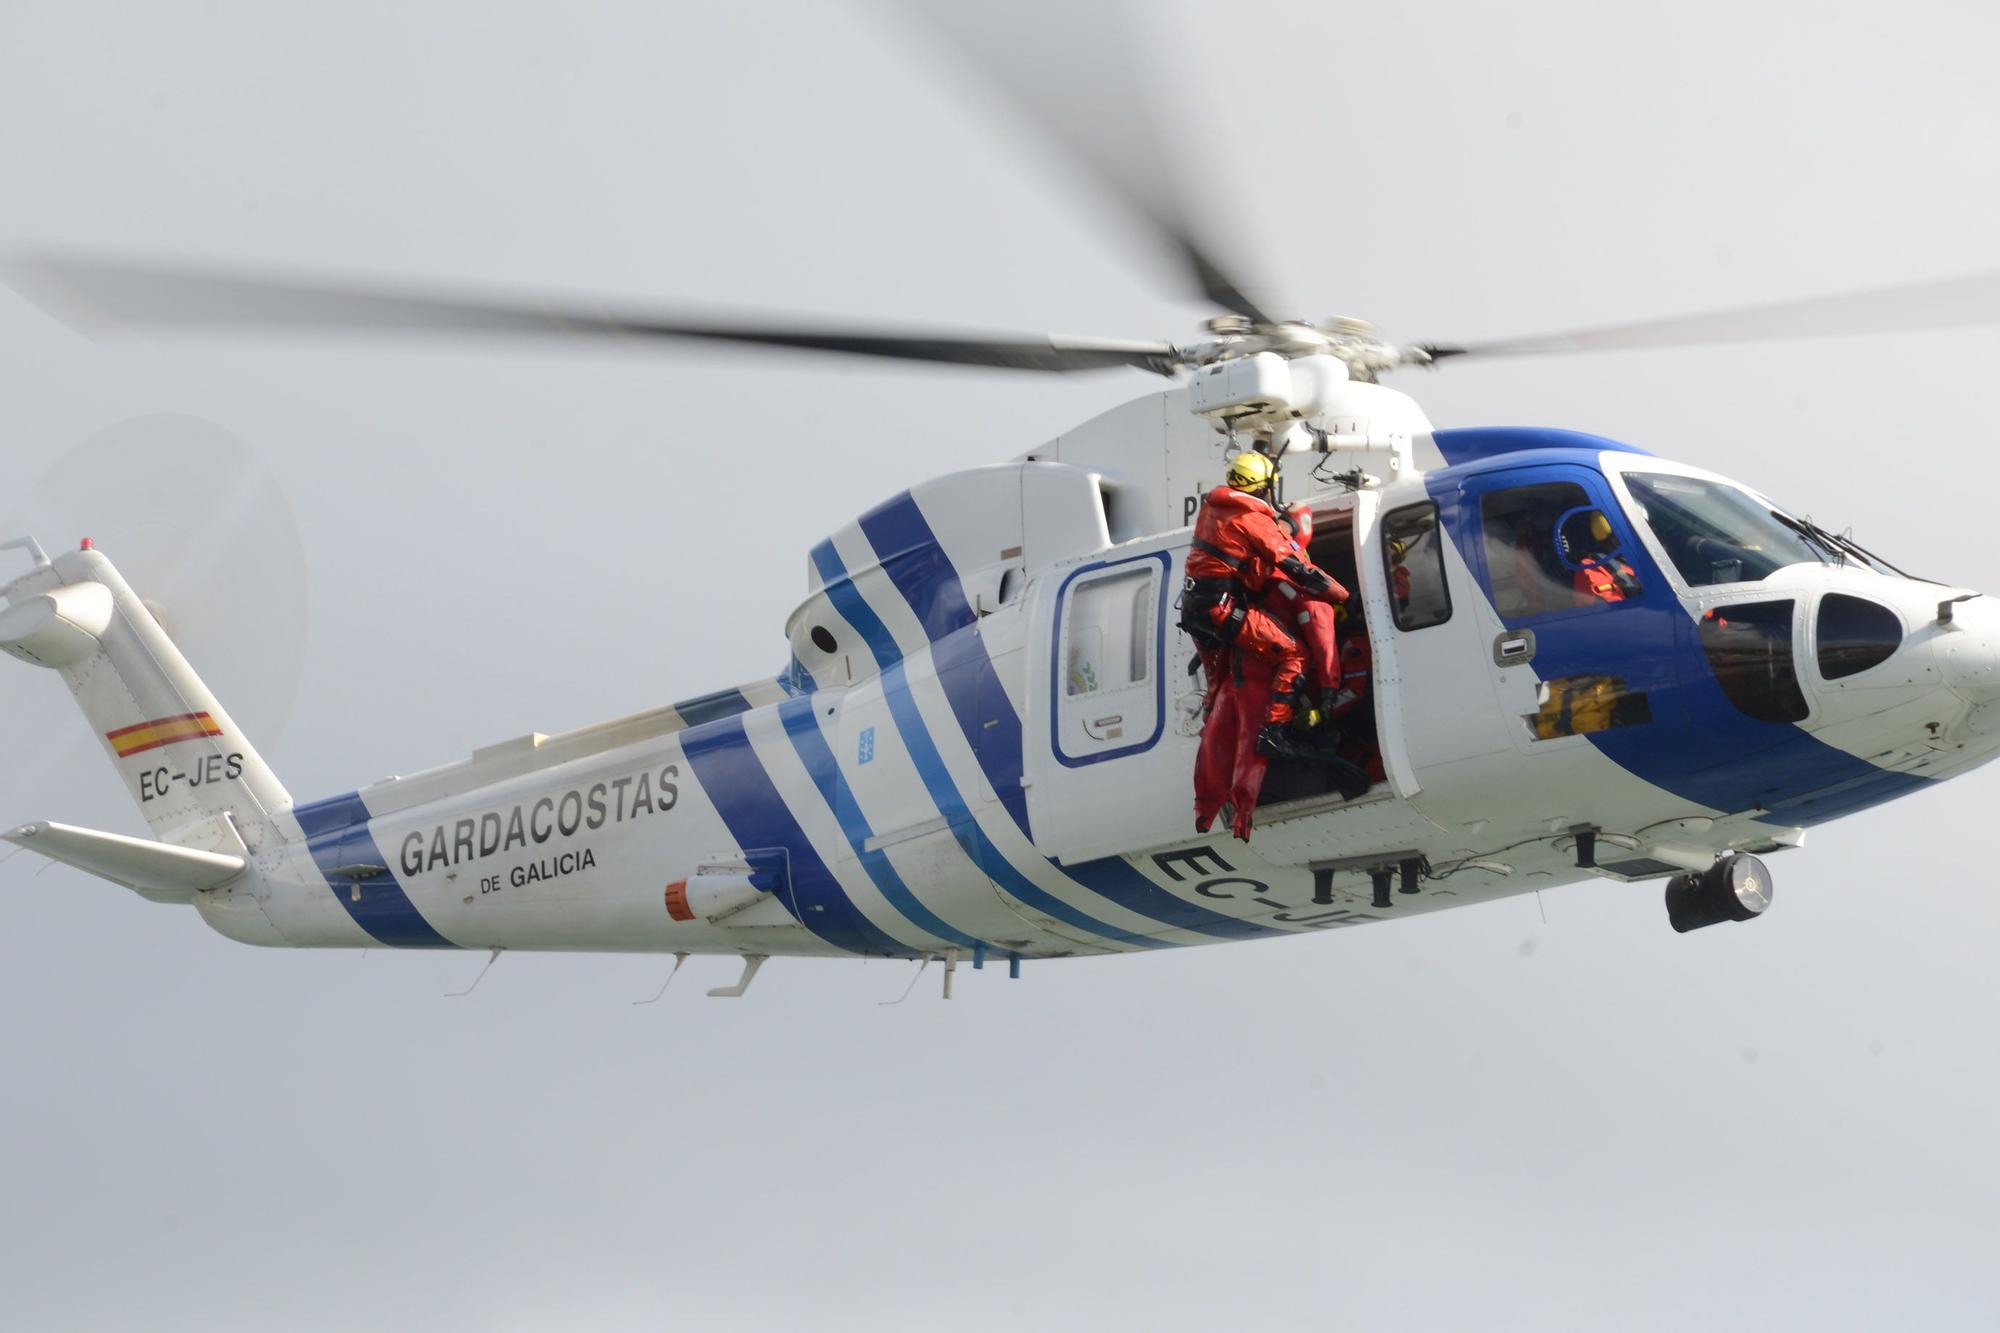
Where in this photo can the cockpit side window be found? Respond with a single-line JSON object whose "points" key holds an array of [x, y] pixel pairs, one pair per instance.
{"points": [[1413, 554], [1549, 549], [1715, 533], [1749, 645]]}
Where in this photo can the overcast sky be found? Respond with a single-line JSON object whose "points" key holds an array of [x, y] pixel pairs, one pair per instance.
{"points": [[1480, 1118]]}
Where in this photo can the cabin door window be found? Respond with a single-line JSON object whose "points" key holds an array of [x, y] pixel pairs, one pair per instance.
{"points": [[1106, 676]]}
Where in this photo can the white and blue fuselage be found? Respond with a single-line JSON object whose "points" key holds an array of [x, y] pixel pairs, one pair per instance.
{"points": [[985, 736]]}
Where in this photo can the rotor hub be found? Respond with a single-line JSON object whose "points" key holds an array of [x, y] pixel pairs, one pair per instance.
{"points": [[1351, 341]]}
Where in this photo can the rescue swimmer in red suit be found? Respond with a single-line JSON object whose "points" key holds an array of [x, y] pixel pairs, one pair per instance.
{"points": [[1244, 603], [1357, 669], [1318, 623], [1339, 665], [1357, 664]]}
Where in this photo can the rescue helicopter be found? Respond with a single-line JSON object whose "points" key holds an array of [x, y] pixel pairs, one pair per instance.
{"points": [[980, 743]]}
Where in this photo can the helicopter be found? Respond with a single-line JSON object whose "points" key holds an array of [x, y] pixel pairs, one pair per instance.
{"points": [[981, 741]]}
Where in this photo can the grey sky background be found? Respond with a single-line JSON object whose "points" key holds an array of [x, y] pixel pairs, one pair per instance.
{"points": [[1475, 1119]]}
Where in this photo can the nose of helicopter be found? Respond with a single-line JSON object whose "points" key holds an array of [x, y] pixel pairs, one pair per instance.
{"points": [[1968, 651]]}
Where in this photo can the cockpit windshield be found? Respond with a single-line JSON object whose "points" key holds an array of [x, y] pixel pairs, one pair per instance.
{"points": [[1716, 533]]}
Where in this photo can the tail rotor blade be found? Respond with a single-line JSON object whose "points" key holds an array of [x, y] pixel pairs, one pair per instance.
{"points": [[202, 530]]}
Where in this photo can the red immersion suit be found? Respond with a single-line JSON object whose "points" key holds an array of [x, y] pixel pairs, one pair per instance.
{"points": [[1228, 768], [1244, 573], [1238, 547], [1357, 664], [1604, 578], [1317, 628]]}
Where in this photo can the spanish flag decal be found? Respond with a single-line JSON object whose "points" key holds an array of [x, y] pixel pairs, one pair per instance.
{"points": [[128, 741]]}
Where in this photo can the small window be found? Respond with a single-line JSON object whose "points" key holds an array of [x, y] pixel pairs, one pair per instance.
{"points": [[1854, 635], [1125, 516], [1749, 644], [1110, 631], [1413, 553]]}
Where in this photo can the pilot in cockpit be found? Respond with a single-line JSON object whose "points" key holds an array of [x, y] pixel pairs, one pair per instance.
{"points": [[1587, 542]]}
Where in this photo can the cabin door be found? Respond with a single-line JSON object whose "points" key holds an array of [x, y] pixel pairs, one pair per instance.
{"points": [[1584, 631], [1107, 772]]}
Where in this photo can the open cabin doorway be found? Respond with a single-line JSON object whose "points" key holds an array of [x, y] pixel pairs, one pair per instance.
{"points": [[1286, 781]]}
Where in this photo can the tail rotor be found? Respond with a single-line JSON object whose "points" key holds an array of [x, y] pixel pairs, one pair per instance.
{"points": [[202, 530]]}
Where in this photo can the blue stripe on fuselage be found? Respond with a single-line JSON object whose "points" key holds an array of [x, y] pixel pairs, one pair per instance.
{"points": [[917, 564], [734, 780], [337, 834], [1492, 444], [923, 752]]}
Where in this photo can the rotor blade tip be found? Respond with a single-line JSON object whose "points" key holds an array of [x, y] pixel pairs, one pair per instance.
{"points": [[44, 281]]}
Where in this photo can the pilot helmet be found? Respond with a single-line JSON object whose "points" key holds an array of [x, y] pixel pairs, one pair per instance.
{"points": [[1584, 533]]}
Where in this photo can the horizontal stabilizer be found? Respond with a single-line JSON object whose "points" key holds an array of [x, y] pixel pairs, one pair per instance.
{"points": [[155, 870]]}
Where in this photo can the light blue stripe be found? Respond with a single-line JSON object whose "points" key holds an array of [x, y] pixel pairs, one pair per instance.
{"points": [[802, 725], [755, 812], [847, 600]]}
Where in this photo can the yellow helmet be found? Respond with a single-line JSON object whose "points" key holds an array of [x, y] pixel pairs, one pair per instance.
{"points": [[1600, 526], [1251, 471]]}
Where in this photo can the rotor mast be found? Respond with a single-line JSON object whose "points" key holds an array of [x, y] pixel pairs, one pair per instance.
{"points": [[1294, 387]]}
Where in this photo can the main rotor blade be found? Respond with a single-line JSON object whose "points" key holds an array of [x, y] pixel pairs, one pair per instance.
{"points": [[1068, 70], [96, 296], [1960, 302]]}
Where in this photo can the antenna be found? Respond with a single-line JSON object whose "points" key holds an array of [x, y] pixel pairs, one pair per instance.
{"points": [[31, 546]]}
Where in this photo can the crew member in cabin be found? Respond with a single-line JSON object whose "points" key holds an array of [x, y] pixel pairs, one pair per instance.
{"points": [[1318, 618], [1358, 743], [1357, 664], [1586, 539], [1399, 574]]}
